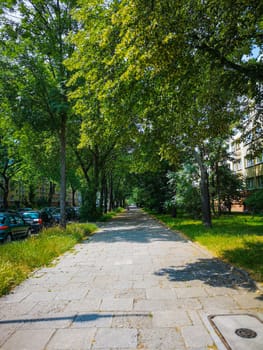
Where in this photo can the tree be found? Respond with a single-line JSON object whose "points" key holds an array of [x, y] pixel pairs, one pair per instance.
{"points": [[197, 52], [254, 201], [101, 106], [10, 159], [36, 47], [185, 189]]}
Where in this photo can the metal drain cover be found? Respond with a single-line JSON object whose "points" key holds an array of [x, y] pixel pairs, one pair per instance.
{"points": [[239, 332], [245, 333]]}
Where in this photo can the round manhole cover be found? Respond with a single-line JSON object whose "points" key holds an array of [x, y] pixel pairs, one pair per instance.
{"points": [[245, 333]]}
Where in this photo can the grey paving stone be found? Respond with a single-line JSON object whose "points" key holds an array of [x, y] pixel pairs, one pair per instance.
{"points": [[115, 338], [9, 310], [160, 339], [249, 300], [132, 320], [44, 308], [134, 293], [218, 304], [44, 296], [72, 339], [121, 304], [170, 319], [28, 339], [6, 330], [85, 304], [190, 292], [160, 293], [166, 304], [197, 337]]}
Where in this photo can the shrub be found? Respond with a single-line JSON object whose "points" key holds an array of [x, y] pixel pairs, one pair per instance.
{"points": [[255, 201]]}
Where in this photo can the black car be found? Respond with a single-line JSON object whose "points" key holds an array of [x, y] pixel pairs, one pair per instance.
{"points": [[38, 219], [12, 226]]}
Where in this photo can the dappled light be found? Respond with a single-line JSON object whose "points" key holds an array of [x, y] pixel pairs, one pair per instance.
{"points": [[210, 271]]}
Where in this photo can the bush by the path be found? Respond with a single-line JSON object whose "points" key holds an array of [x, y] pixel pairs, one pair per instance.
{"points": [[18, 259]]}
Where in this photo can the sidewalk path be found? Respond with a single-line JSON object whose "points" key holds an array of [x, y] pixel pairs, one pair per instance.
{"points": [[134, 285]]}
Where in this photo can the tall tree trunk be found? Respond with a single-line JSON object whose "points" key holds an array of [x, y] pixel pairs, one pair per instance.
{"points": [[101, 196], [111, 203], [106, 194], [73, 192], [5, 191], [204, 187], [63, 171], [51, 192], [218, 191]]}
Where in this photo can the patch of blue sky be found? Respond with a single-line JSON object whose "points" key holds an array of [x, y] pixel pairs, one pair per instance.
{"points": [[255, 53]]}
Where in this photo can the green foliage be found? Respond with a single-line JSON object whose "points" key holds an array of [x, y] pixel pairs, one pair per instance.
{"points": [[151, 189], [184, 183], [18, 259], [254, 202]]}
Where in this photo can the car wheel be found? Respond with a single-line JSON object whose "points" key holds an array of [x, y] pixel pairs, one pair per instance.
{"points": [[8, 238]]}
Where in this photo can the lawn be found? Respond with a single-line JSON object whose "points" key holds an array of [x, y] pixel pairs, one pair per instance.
{"points": [[18, 259], [236, 239]]}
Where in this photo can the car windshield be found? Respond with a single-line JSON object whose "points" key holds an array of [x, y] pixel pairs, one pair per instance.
{"points": [[30, 215]]}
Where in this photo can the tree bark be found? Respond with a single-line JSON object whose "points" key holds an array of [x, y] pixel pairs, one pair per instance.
{"points": [[6, 192], [63, 172], [52, 187], [204, 187]]}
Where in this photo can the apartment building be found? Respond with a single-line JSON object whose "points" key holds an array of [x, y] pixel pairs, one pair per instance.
{"points": [[245, 163], [19, 194]]}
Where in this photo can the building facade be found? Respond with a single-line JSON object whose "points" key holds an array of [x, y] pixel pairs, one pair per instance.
{"points": [[245, 163]]}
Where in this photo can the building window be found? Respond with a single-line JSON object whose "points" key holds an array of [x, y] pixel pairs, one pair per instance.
{"points": [[236, 146], [249, 162], [259, 159], [248, 138], [250, 183], [260, 181], [237, 165]]}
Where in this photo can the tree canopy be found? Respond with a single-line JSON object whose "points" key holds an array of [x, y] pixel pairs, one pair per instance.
{"points": [[127, 86]]}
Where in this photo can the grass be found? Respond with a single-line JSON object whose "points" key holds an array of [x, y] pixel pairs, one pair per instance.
{"points": [[18, 259], [236, 239]]}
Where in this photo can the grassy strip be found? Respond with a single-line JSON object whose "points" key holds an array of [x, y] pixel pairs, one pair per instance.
{"points": [[18, 259], [236, 239]]}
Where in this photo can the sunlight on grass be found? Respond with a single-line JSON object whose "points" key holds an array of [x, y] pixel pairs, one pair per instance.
{"points": [[237, 239], [18, 259]]}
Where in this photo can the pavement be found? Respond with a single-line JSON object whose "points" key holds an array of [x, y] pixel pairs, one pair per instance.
{"points": [[134, 285]]}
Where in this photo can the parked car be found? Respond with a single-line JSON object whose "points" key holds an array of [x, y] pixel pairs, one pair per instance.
{"points": [[70, 213], [77, 212], [12, 226], [56, 215], [38, 219], [22, 210]]}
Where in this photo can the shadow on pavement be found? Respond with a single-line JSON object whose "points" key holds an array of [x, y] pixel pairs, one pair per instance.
{"points": [[80, 318], [212, 272]]}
